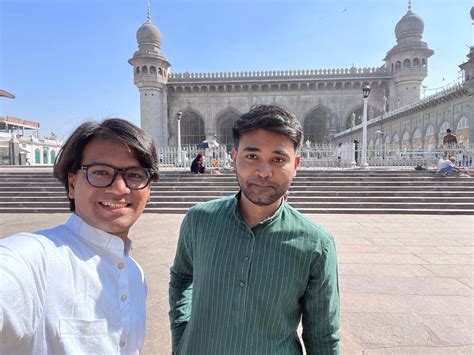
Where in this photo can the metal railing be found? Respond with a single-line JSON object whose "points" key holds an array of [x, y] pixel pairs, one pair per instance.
{"points": [[216, 158]]}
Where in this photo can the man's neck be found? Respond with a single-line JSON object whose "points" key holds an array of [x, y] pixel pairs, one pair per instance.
{"points": [[254, 214]]}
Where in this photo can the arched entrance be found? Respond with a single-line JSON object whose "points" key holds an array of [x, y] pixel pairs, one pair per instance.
{"points": [[192, 129], [225, 122], [316, 124]]}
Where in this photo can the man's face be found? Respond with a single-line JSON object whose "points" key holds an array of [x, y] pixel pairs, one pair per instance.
{"points": [[112, 209], [265, 164]]}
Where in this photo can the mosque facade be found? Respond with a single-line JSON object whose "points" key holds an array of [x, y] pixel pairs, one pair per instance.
{"points": [[328, 102]]}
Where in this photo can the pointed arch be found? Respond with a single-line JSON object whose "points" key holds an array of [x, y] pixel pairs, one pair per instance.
{"points": [[224, 123], [192, 128], [316, 124]]}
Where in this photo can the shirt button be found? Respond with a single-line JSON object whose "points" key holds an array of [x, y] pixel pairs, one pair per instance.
{"points": [[122, 343], [123, 298], [120, 265], [242, 284], [246, 258]]}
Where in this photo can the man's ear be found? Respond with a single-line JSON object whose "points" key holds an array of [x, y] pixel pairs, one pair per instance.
{"points": [[234, 154], [71, 183], [297, 164]]}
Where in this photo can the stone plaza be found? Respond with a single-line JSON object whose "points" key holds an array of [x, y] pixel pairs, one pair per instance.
{"points": [[406, 281]]}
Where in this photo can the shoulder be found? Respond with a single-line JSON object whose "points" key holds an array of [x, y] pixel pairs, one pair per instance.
{"points": [[211, 208], [314, 233], [32, 248]]}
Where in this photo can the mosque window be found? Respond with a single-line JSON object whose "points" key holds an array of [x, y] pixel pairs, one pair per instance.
{"points": [[392, 67], [398, 65], [462, 124], [195, 89], [387, 140], [395, 138], [37, 156], [417, 133], [152, 70], [144, 70], [443, 127], [429, 131], [347, 85], [294, 87], [160, 71], [406, 137], [407, 63], [423, 63], [212, 88], [220, 88], [321, 86], [416, 63], [137, 70]]}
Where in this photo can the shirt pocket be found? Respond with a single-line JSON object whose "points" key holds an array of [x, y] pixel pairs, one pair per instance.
{"points": [[79, 336]]}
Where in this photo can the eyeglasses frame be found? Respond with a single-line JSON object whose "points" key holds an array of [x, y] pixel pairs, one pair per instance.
{"points": [[122, 171]]}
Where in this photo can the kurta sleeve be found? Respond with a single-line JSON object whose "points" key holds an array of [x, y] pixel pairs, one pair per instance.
{"points": [[321, 304], [181, 283], [22, 291]]}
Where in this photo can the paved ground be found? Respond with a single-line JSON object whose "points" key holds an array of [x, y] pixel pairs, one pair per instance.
{"points": [[406, 280]]}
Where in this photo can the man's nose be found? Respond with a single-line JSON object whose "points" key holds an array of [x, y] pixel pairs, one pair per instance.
{"points": [[264, 170], [118, 186]]}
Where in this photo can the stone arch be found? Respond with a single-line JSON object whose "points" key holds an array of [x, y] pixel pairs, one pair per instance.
{"points": [[192, 128], [407, 63], [423, 63], [398, 65], [224, 123], [416, 63], [137, 70], [144, 70], [152, 70], [417, 141], [45, 155], [316, 124], [462, 130], [347, 85]]}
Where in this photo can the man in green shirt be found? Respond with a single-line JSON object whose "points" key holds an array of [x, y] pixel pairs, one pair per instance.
{"points": [[249, 267]]}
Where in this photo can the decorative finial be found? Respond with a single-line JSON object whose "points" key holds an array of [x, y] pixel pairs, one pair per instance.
{"points": [[148, 15], [409, 5]]}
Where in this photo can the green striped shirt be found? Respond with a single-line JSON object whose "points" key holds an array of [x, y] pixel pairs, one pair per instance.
{"points": [[236, 290]]}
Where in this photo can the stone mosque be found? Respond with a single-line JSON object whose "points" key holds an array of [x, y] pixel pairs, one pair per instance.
{"points": [[328, 102]]}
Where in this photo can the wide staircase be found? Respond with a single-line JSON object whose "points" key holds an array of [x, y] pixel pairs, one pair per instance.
{"points": [[312, 191]]}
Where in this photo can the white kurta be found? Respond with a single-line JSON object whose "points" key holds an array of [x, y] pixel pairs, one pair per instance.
{"points": [[70, 289]]}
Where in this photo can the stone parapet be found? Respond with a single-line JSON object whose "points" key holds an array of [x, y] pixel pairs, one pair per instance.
{"points": [[317, 74]]}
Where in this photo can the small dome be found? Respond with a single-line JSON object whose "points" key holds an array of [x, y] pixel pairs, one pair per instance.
{"points": [[409, 25], [148, 33]]}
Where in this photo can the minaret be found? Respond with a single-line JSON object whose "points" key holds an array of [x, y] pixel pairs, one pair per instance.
{"points": [[150, 75], [468, 67], [407, 62]]}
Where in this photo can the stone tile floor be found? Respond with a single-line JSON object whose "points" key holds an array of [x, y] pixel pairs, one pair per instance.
{"points": [[406, 281]]}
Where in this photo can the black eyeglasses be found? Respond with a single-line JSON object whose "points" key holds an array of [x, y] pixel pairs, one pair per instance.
{"points": [[103, 175]]}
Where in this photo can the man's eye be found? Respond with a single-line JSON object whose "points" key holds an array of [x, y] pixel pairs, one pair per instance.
{"points": [[278, 160], [251, 156], [100, 172]]}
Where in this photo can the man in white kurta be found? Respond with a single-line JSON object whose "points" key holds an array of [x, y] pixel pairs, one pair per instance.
{"points": [[70, 289], [74, 289]]}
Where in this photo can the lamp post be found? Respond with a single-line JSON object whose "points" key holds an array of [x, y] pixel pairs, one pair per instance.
{"points": [[363, 160], [178, 118]]}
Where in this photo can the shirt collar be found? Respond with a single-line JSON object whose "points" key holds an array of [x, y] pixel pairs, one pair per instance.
{"points": [[266, 221], [98, 237]]}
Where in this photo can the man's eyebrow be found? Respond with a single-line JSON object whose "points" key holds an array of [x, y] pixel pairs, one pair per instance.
{"points": [[255, 149], [251, 149]]}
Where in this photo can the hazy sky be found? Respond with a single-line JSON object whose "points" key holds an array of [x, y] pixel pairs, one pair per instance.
{"points": [[66, 60]]}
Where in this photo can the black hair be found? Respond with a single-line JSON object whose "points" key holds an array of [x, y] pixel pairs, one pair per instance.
{"points": [[272, 118], [448, 130], [69, 158]]}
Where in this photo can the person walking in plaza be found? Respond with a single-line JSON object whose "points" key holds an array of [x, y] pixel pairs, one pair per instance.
{"points": [[249, 267], [74, 288]]}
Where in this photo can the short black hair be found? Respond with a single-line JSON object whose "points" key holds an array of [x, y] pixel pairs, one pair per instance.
{"points": [[69, 158], [272, 118], [448, 130]]}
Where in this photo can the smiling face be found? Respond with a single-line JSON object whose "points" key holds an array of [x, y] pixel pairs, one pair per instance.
{"points": [[112, 209], [265, 164]]}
